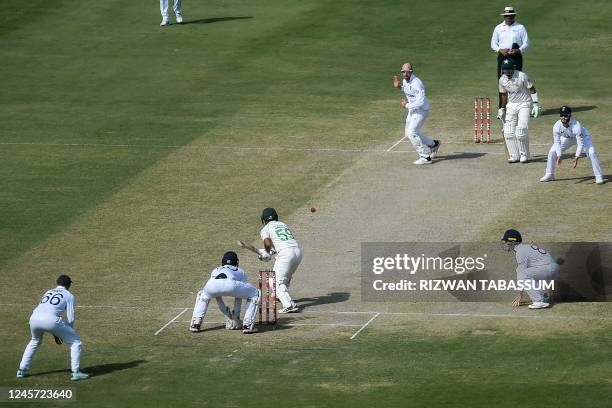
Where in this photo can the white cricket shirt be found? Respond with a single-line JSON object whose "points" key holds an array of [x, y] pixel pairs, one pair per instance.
{"points": [[55, 302], [517, 87], [505, 35], [415, 93], [280, 235], [575, 130]]}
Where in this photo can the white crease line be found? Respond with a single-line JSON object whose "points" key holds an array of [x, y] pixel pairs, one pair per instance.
{"points": [[280, 323], [365, 325], [171, 321], [455, 314], [145, 307], [281, 149], [396, 143]]}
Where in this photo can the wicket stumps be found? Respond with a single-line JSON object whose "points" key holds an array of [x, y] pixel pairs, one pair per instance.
{"points": [[268, 298], [482, 111]]}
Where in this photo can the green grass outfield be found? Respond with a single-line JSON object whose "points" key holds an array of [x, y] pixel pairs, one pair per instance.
{"points": [[129, 159]]}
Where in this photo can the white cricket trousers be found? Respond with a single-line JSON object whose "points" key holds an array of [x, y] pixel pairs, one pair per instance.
{"points": [[217, 288], [163, 6], [536, 273], [39, 324], [516, 129], [414, 123], [287, 262], [567, 142]]}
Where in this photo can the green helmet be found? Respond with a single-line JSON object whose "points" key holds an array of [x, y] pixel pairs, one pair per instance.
{"points": [[268, 214], [508, 63]]}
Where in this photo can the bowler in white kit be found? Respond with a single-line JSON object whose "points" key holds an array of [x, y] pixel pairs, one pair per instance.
{"points": [[417, 105], [47, 317]]}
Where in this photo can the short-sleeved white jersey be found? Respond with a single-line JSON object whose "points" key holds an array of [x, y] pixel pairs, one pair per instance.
{"points": [[55, 302], [575, 130], [517, 87], [232, 272], [415, 93], [528, 255], [505, 35], [280, 235]]}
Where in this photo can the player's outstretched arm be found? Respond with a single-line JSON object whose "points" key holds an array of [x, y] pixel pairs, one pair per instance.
{"points": [[396, 82]]}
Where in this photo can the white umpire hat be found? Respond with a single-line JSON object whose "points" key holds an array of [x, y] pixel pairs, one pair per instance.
{"points": [[508, 11]]}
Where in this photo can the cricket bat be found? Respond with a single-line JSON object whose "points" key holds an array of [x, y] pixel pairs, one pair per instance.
{"points": [[248, 246], [506, 153]]}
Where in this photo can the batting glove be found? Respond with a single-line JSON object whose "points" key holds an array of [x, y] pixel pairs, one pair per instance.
{"points": [[264, 255], [501, 113], [536, 110]]}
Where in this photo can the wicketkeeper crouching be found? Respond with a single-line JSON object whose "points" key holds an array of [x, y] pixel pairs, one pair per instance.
{"points": [[228, 280]]}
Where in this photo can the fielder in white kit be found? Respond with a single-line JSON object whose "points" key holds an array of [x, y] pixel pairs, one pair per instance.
{"points": [[566, 133], [163, 7], [533, 264], [277, 237], [47, 317], [417, 104], [228, 280], [519, 99]]}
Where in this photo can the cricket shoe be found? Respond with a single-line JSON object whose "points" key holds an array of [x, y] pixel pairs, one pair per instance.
{"points": [[179, 19], [290, 309], [77, 376], [423, 160], [196, 325], [434, 149], [164, 22], [523, 159], [599, 180], [513, 159], [547, 177], [539, 305], [22, 373], [249, 329]]}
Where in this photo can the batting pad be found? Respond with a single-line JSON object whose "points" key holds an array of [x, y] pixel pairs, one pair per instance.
{"points": [[511, 142], [523, 141]]}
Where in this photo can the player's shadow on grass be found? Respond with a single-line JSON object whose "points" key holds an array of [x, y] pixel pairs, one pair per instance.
{"points": [[544, 158], [583, 179], [537, 159], [102, 369], [555, 111], [216, 20], [98, 370], [334, 297], [459, 156]]}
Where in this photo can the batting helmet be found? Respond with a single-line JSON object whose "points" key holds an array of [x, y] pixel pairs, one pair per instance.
{"points": [[565, 110], [269, 214], [64, 280], [230, 258], [508, 63], [512, 236]]}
